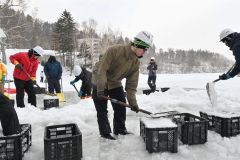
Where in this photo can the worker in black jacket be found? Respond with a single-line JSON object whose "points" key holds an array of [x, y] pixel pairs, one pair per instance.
{"points": [[232, 40]]}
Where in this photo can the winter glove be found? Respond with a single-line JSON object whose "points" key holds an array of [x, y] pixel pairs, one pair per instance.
{"points": [[135, 108], [80, 93], [3, 78], [19, 66], [225, 76], [72, 82]]}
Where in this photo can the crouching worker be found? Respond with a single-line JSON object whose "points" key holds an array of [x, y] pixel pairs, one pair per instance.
{"points": [[8, 116], [83, 74]]}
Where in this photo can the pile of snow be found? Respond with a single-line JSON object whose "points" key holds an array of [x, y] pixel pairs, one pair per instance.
{"points": [[132, 147]]}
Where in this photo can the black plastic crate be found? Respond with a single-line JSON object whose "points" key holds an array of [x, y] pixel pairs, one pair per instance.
{"points": [[39, 90], [63, 142], [13, 147], [192, 129], [225, 126], [49, 103], [209, 118], [159, 139]]}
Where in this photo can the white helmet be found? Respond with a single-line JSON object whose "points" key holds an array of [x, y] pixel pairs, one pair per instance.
{"points": [[77, 70], [152, 58], [145, 38], [224, 33], [39, 50]]}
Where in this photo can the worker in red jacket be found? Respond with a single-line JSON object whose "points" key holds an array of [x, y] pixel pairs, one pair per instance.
{"points": [[28, 62]]}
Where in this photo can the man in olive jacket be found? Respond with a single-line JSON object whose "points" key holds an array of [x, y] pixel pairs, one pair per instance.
{"points": [[119, 62]]}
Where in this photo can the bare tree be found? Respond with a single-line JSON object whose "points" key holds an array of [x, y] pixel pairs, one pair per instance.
{"points": [[89, 28], [8, 17]]}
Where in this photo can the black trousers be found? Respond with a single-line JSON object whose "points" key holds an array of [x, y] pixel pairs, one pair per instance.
{"points": [[152, 82], [8, 116], [53, 84], [102, 112], [22, 86]]}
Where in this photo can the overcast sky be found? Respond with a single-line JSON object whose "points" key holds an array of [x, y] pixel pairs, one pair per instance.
{"points": [[181, 24]]}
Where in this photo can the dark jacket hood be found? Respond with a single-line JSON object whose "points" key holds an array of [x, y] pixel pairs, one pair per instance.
{"points": [[52, 59]]}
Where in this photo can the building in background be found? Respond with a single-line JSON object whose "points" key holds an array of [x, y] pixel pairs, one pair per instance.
{"points": [[89, 49]]}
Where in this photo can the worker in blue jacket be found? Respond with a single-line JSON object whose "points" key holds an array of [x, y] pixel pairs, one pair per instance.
{"points": [[53, 73]]}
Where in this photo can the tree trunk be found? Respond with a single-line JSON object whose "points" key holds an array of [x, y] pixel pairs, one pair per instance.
{"points": [[4, 59]]}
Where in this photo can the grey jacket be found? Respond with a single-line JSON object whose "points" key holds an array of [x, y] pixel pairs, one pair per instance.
{"points": [[152, 67]]}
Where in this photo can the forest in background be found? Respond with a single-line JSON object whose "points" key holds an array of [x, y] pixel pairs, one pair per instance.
{"points": [[23, 31]]}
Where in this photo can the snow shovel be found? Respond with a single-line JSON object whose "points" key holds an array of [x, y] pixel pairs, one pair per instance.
{"points": [[165, 89], [211, 92], [61, 95], [155, 115], [35, 83], [76, 89]]}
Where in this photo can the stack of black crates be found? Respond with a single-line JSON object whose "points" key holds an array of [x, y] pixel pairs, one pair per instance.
{"points": [[190, 130], [225, 126], [13, 147], [63, 142]]}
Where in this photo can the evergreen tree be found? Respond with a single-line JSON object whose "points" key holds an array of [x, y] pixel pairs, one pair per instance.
{"points": [[63, 38]]}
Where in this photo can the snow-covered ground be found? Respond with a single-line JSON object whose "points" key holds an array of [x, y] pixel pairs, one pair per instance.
{"points": [[132, 147]]}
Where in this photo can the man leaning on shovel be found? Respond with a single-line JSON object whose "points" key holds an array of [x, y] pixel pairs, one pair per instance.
{"points": [[119, 62]]}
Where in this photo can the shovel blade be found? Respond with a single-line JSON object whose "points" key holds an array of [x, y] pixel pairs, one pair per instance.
{"points": [[165, 89], [61, 97], [212, 93], [163, 114]]}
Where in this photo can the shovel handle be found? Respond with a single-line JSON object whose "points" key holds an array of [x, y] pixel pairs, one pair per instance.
{"points": [[144, 111], [216, 80], [75, 87], [124, 104], [30, 78]]}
